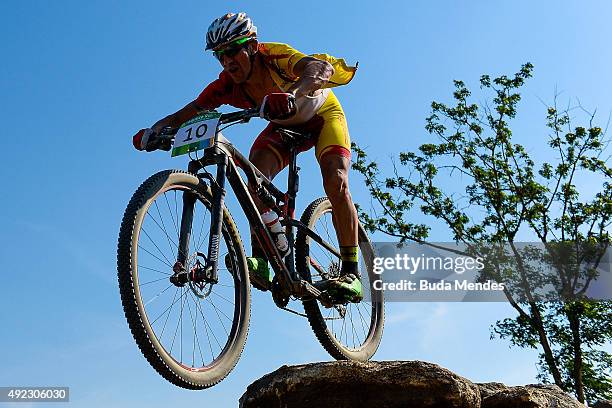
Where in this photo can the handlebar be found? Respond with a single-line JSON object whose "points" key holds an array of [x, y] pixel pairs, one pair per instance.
{"points": [[239, 116], [166, 136]]}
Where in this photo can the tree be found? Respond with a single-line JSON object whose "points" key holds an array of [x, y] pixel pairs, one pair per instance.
{"points": [[505, 193]]}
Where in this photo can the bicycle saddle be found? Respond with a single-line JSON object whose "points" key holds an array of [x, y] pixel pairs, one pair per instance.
{"points": [[293, 137]]}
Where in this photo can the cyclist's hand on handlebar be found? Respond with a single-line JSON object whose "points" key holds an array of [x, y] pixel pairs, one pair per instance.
{"points": [[141, 139], [278, 106], [149, 140]]}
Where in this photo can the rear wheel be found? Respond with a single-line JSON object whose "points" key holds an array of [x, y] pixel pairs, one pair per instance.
{"points": [[350, 331], [192, 334]]}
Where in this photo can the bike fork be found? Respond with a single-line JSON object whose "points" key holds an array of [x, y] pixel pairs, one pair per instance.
{"points": [[209, 273], [189, 199], [216, 223], [181, 274]]}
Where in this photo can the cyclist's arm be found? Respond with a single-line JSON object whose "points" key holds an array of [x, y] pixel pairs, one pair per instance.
{"points": [[313, 75], [213, 96], [178, 118]]}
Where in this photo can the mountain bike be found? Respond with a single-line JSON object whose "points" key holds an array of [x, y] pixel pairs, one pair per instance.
{"points": [[182, 269]]}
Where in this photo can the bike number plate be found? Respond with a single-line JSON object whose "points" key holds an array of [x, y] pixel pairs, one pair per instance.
{"points": [[196, 134]]}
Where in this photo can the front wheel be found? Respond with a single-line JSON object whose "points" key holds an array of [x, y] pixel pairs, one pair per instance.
{"points": [[191, 333], [349, 331]]}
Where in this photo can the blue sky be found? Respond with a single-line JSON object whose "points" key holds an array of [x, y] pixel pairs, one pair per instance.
{"points": [[79, 78]]}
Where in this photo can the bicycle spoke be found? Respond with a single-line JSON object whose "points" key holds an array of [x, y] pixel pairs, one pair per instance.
{"points": [[342, 329], [350, 308], [318, 262], [212, 354], [154, 244], [171, 215], [329, 239], [363, 323], [213, 334], [177, 325], [195, 333], [167, 316], [221, 284], [153, 281], [158, 295], [219, 317], [154, 256], [222, 297], [163, 226], [154, 270], [326, 253]]}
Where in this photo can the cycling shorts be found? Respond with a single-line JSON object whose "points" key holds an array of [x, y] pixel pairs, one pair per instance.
{"points": [[328, 128]]}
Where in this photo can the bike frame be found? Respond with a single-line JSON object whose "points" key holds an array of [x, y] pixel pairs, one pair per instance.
{"points": [[228, 160]]}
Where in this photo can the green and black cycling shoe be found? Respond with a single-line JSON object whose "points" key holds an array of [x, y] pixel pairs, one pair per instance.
{"points": [[346, 288], [259, 272]]}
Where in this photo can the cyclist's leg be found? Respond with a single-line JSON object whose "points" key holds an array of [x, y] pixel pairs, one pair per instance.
{"points": [[333, 154], [333, 151], [335, 169]]}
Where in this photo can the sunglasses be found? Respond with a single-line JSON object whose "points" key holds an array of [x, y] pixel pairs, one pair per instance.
{"points": [[232, 49]]}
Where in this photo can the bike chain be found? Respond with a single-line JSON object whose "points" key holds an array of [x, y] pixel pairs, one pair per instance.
{"points": [[294, 312], [305, 315]]}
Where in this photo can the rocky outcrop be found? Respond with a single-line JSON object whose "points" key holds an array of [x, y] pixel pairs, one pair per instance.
{"points": [[390, 384], [488, 389], [341, 384], [496, 395]]}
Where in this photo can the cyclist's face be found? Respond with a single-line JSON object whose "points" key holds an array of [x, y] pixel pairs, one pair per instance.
{"points": [[237, 63]]}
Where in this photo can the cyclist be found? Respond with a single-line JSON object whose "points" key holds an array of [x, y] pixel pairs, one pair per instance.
{"points": [[293, 90]]}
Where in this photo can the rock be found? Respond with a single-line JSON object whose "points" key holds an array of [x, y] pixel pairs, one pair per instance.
{"points": [[528, 396], [341, 384], [603, 404], [487, 389]]}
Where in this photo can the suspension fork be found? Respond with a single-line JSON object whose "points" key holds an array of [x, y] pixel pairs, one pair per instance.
{"points": [[216, 223], [189, 199]]}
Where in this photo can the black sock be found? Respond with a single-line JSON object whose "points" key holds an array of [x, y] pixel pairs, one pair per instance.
{"points": [[350, 260]]}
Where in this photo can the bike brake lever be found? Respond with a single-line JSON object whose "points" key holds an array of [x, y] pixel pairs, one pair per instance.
{"points": [[168, 131]]}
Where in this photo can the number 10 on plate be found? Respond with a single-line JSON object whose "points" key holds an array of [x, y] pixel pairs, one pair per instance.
{"points": [[196, 134]]}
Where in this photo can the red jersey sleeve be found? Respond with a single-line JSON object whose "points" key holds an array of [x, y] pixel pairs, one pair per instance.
{"points": [[222, 91]]}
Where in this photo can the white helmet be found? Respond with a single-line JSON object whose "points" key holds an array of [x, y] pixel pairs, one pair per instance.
{"points": [[228, 28]]}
